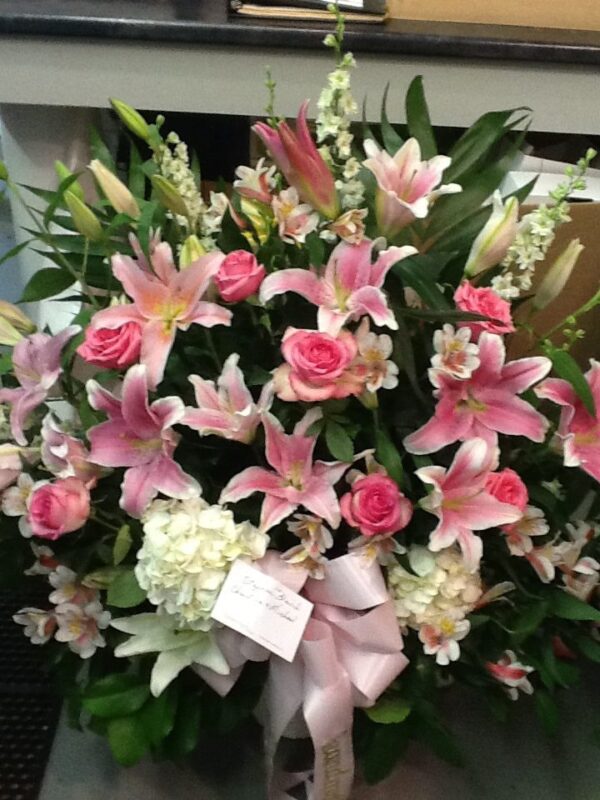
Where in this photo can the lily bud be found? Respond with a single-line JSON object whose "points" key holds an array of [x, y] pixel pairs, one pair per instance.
{"points": [[9, 335], [84, 219], [191, 251], [64, 172], [169, 196], [15, 317], [131, 118], [559, 273], [496, 236], [115, 191]]}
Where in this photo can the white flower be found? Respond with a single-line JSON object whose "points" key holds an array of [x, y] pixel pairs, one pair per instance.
{"points": [[14, 499], [45, 561], [315, 539], [455, 354], [68, 589], [295, 219], [213, 217], [512, 674], [438, 587], [39, 624], [187, 551], [374, 351], [519, 534], [442, 640], [80, 626], [257, 183]]}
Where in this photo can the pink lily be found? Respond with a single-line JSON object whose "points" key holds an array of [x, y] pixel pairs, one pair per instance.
{"points": [[578, 430], [164, 300], [227, 410], [462, 504], [138, 436], [406, 185], [486, 403], [66, 456], [350, 287], [36, 365], [294, 480], [297, 157]]}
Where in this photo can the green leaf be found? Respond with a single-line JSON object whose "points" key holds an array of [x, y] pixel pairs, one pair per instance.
{"points": [[389, 710], [406, 356], [453, 315], [568, 369], [315, 247], [149, 209], [529, 621], [137, 179], [158, 715], [339, 443], [410, 273], [125, 591], [387, 746], [441, 741], [14, 251], [588, 647], [566, 606], [127, 739], [45, 283], [58, 198], [417, 118], [547, 711], [122, 544], [388, 455], [101, 151], [392, 140], [186, 728], [116, 696], [6, 364]]}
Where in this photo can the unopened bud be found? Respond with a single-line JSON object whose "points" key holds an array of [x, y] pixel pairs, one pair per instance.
{"points": [[13, 315], [64, 172], [169, 196], [559, 273], [9, 335], [131, 118], [496, 236], [84, 219], [191, 251], [115, 191]]}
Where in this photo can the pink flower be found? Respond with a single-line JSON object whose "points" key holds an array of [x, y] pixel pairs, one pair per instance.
{"points": [[350, 287], [487, 303], [239, 276], [64, 455], [376, 506], [578, 430], [36, 364], [406, 186], [442, 640], [317, 366], [295, 220], [54, 509], [486, 404], [294, 480], [255, 184], [112, 348], [460, 500], [297, 157], [227, 410], [164, 301], [510, 672], [138, 436], [508, 487]]}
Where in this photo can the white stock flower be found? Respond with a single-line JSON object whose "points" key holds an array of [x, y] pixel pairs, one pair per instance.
{"points": [[187, 551]]}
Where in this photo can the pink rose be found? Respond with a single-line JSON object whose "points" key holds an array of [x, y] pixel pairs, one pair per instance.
{"points": [[486, 302], [112, 348], [58, 508], [507, 487], [317, 366], [376, 506], [239, 276]]}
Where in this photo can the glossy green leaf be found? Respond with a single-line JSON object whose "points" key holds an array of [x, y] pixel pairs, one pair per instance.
{"points": [[45, 283], [387, 746], [529, 620], [116, 695], [339, 443], [588, 647], [124, 591], [567, 606], [418, 120], [158, 715], [122, 544], [425, 286], [14, 251], [547, 711], [389, 710], [387, 454], [186, 728], [569, 370], [100, 150], [127, 737], [392, 140]]}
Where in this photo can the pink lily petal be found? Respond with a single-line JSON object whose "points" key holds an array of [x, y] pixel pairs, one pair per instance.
{"points": [[509, 414], [321, 500], [370, 300], [148, 293], [439, 431], [523, 373], [472, 549], [300, 281], [349, 265], [250, 480], [558, 391], [232, 382], [157, 340], [206, 420], [209, 315], [137, 491], [492, 354], [331, 321], [135, 409], [162, 262], [473, 460], [113, 444], [115, 316], [24, 402], [170, 479], [274, 510], [484, 511], [386, 260], [102, 400], [205, 392]]}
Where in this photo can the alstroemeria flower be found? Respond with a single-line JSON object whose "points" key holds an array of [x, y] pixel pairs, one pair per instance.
{"points": [[36, 364], [295, 220], [350, 287], [65, 455], [138, 436], [519, 534], [255, 184], [442, 640], [164, 300], [455, 353], [484, 404], [294, 480], [374, 354], [227, 410], [10, 464], [297, 157], [512, 674], [406, 186], [578, 430], [462, 504]]}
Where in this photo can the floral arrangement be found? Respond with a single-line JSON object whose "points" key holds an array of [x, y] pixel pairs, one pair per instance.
{"points": [[306, 375]]}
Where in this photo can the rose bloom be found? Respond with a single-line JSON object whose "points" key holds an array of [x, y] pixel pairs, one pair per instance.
{"points": [[58, 508], [486, 302], [507, 487], [317, 366], [376, 506], [112, 348], [239, 276]]}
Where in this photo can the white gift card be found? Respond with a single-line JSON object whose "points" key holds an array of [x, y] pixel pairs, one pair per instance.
{"points": [[263, 609]]}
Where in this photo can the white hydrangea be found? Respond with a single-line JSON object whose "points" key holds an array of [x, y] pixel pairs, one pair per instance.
{"points": [[188, 549], [438, 588]]}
